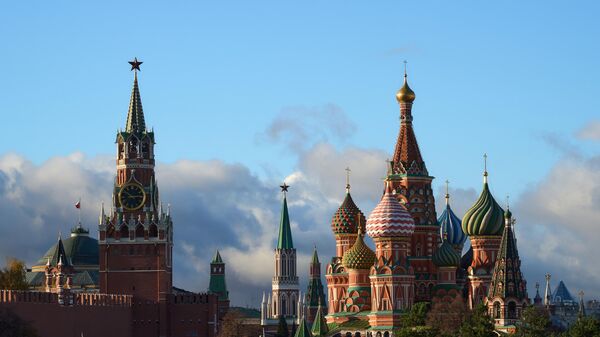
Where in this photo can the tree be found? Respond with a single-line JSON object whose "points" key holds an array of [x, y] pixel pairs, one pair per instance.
{"points": [[233, 325], [12, 325], [282, 328], [416, 316], [535, 322], [478, 323], [13, 275], [585, 327], [447, 317]]}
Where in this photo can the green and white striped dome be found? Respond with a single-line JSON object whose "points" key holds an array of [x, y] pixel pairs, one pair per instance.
{"points": [[485, 217]]}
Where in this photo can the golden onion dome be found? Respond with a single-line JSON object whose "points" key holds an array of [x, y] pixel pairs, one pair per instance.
{"points": [[405, 94]]}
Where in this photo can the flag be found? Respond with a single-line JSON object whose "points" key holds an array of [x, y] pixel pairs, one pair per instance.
{"points": [[78, 204]]}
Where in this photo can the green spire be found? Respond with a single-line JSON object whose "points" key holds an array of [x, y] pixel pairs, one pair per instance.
{"points": [[320, 327], [285, 231], [135, 115], [315, 257], [303, 330], [217, 258]]}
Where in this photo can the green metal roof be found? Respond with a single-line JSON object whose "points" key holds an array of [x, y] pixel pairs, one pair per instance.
{"points": [[303, 330], [319, 327], [285, 231], [80, 249]]}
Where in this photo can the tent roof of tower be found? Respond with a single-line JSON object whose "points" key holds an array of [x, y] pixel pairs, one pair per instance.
{"points": [[319, 327], [303, 330], [562, 294], [345, 220], [315, 256], [285, 231], [217, 258], [485, 217]]}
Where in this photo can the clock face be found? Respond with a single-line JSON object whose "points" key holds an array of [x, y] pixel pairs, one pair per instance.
{"points": [[132, 196]]}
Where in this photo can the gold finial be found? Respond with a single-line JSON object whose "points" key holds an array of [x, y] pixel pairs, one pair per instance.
{"points": [[348, 179], [447, 193], [405, 94]]}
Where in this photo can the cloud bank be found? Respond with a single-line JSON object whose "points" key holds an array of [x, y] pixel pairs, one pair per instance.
{"points": [[218, 205]]}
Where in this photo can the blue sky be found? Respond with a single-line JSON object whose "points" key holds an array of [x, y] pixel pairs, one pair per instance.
{"points": [[517, 80], [489, 77]]}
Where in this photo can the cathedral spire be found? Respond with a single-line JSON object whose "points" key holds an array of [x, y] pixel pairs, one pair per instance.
{"points": [[135, 115], [285, 231], [407, 156]]}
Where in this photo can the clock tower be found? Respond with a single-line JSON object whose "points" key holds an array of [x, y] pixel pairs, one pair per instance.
{"points": [[136, 235]]}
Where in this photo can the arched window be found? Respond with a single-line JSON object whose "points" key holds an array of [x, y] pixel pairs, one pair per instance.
{"points": [[139, 231], [512, 310], [386, 334], [124, 232], [153, 231], [283, 305], [497, 310]]}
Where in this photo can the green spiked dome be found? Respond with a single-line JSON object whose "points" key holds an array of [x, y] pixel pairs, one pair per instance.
{"points": [[485, 217], [346, 218], [446, 256], [359, 256]]}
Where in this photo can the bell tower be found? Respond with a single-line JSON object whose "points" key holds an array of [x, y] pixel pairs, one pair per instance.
{"points": [[136, 235]]}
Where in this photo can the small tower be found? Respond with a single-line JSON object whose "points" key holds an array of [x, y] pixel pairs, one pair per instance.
{"points": [[314, 293], [484, 224], [217, 284], [507, 296], [447, 261], [581, 313], [358, 260], [344, 224], [548, 292], [392, 278], [285, 290], [537, 300]]}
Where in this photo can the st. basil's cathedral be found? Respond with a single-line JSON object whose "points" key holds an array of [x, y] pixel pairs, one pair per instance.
{"points": [[417, 257]]}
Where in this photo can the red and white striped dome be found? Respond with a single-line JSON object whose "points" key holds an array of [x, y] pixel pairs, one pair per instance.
{"points": [[390, 218]]}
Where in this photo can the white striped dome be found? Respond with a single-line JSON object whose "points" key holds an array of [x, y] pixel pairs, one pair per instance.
{"points": [[390, 218]]}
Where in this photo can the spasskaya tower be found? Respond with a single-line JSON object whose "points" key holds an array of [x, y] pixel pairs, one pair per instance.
{"points": [[136, 235]]}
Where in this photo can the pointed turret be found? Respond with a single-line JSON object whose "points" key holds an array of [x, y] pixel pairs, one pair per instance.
{"points": [[319, 327], [135, 115], [507, 280], [537, 300], [303, 330], [217, 284], [285, 231], [314, 293]]}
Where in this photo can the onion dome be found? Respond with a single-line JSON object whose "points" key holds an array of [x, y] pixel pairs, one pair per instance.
{"points": [[346, 218], [405, 94], [390, 218], [446, 256], [359, 256], [451, 226], [485, 217]]}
